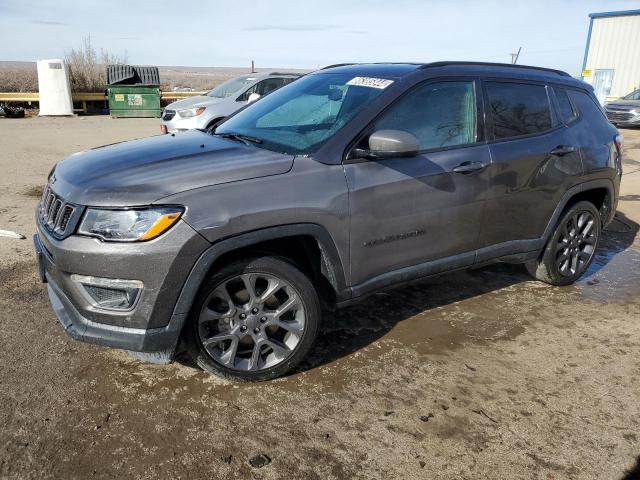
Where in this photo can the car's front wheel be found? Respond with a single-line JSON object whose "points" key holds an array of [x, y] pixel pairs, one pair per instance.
{"points": [[571, 248], [254, 320]]}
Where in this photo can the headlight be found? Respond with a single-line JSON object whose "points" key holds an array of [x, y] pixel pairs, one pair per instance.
{"points": [[129, 225], [191, 112]]}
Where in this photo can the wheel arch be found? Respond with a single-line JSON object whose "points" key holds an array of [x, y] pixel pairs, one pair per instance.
{"points": [[600, 192], [272, 241]]}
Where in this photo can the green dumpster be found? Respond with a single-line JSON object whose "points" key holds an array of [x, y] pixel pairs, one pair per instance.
{"points": [[133, 91]]}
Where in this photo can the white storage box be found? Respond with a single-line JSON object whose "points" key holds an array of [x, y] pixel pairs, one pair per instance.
{"points": [[54, 86]]}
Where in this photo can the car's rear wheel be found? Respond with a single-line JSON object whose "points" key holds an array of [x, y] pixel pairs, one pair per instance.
{"points": [[571, 248], [254, 320]]}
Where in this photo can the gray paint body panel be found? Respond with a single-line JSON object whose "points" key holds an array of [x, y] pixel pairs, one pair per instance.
{"points": [[310, 193], [413, 210], [525, 176], [142, 171]]}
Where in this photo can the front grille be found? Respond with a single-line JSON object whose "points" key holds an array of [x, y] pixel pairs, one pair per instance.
{"points": [[619, 116], [55, 214], [65, 217], [168, 115]]}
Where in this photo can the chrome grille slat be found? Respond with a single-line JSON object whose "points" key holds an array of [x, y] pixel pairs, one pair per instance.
{"points": [[47, 205], [56, 214], [61, 224], [53, 213], [45, 194]]}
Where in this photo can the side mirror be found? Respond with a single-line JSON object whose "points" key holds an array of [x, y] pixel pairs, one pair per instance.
{"points": [[388, 144], [253, 97]]}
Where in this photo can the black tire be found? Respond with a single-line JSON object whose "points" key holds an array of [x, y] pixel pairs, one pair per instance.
{"points": [[275, 268], [553, 266]]}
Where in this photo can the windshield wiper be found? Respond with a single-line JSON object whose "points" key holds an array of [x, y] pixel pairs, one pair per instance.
{"points": [[238, 136]]}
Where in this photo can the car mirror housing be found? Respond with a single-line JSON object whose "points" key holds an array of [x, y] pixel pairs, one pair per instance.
{"points": [[253, 97], [389, 144]]}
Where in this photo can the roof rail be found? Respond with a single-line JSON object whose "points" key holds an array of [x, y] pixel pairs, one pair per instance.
{"points": [[285, 73], [335, 65], [488, 64]]}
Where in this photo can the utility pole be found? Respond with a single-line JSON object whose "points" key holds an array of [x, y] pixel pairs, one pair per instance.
{"points": [[514, 56], [253, 67]]}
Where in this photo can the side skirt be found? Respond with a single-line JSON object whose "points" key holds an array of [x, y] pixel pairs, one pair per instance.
{"points": [[517, 251]]}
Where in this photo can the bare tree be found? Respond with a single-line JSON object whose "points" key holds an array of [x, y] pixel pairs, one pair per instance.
{"points": [[18, 78], [88, 68]]}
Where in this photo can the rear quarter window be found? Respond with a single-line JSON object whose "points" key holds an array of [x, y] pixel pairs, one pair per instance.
{"points": [[566, 110], [517, 109], [593, 121], [587, 106]]}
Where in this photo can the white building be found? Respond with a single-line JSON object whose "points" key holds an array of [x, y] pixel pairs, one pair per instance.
{"points": [[612, 55]]}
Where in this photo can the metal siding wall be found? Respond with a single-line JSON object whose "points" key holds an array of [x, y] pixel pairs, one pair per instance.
{"points": [[615, 44]]}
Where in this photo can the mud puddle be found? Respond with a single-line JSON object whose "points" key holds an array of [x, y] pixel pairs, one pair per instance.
{"points": [[34, 191], [614, 275]]}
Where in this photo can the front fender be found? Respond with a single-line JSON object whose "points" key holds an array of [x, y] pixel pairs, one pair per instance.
{"points": [[206, 260], [204, 263]]}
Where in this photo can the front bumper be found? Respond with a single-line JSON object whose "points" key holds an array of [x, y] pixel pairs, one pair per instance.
{"points": [[623, 118], [178, 124], [162, 265]]}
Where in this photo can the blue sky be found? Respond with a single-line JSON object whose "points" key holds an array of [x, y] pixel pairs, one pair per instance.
{"points": [[304, 34]]}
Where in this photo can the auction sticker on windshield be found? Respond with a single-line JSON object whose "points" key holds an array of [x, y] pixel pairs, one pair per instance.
{"points": [[371, 82]]}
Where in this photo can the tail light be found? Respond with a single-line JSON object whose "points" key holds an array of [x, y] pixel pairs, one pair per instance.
{"points": [[619, 141]]}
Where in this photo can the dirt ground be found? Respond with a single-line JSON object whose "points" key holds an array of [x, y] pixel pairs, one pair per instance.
{"points": [[479, 374]]}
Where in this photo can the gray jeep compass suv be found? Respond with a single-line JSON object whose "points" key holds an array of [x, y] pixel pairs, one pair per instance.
{"points": [[354, 178]]}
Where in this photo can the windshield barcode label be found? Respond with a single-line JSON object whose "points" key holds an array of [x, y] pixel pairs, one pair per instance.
{"points": [[371, 82]]}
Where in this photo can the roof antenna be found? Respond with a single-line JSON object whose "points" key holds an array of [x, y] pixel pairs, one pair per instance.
{"points": [[514, 56]]}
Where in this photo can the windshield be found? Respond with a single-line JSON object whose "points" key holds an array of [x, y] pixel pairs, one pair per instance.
{"points": [[633, 96], [230, 87], [299, 117]]}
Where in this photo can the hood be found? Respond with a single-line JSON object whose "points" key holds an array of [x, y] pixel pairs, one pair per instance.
{"points": [[624, 104], [198, 100], [142, 171]]}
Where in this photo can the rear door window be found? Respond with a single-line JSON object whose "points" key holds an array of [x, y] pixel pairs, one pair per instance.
{"points": [[517, 109], [567, 113]]}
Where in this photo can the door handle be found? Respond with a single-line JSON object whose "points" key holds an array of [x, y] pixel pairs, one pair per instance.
{"points": [[469, 167], [561, 150]]}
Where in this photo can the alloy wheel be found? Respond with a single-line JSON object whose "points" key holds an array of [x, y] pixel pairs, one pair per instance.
{"points": [[576, 244], [251, 322]]}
